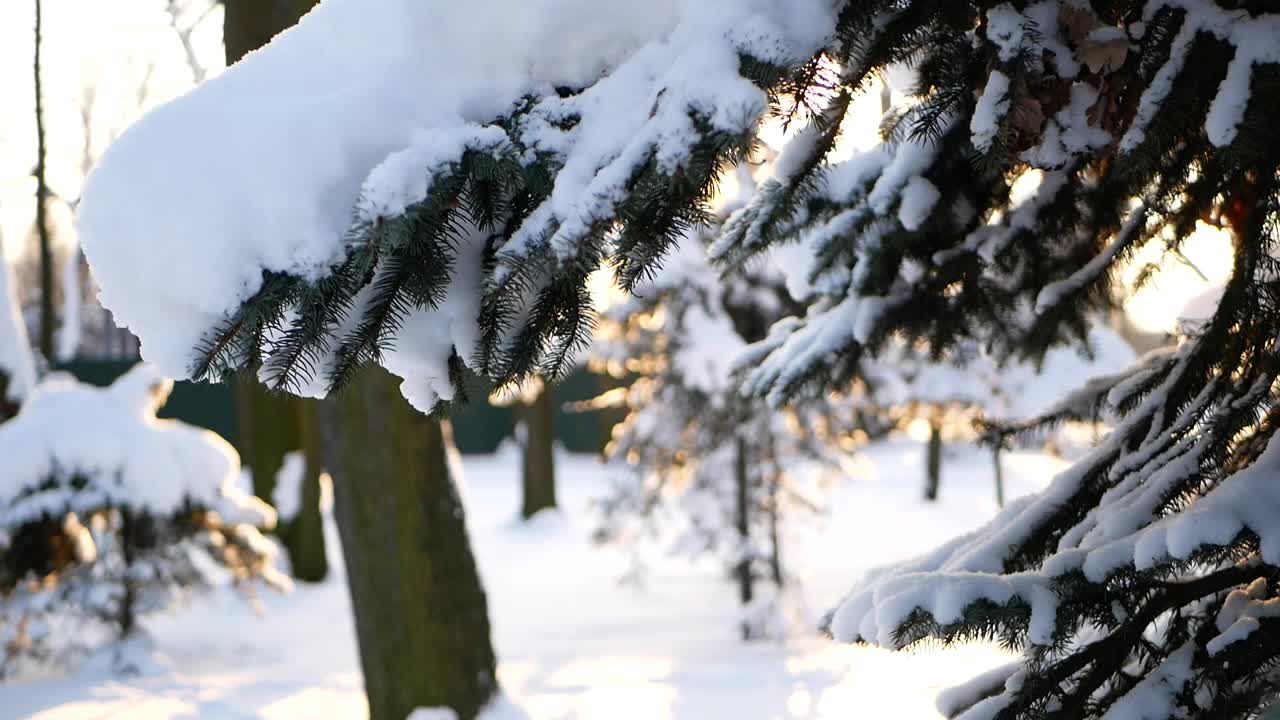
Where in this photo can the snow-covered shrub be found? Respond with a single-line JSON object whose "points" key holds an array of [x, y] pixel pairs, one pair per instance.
{"points": [[108, 513]]}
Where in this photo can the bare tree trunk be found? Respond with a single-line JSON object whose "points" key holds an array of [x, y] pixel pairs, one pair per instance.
{"points": [[303, 535], [539, 477], [421, 613], [743, 486], [933, 459], [775, 535], [43, 232], [999, 473]]}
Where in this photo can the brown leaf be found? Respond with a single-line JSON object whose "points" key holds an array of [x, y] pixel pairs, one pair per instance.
{"points": [[1028, 115], [1078, 22], [1103, 55]]}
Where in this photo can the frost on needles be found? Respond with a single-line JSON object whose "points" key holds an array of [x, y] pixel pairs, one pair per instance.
{"points": [[433, 182]]}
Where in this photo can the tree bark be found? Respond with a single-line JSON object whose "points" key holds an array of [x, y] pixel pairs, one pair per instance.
{"points": [[269, 430], [303, 534], [539, 476], [933, 459], [421, 613], [43, 231]]}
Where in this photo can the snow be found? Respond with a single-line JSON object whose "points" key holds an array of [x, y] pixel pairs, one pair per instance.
{"points": [[952, 700], [111, 439], [990, 111], [261, 168], [1007, 28], [434, 714], [287, 495], [918, 199], [583, 647], [70, 330], [706, 364], [1256, 41], [1240, 615], [1154, 697], [17, 363]]}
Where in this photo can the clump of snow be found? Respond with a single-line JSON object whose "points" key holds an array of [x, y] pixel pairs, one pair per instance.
{"points": [[1007, 28], [287, 495], [955, 699], [261, 169], [918, 199], [1240, 615], [991, 109], [77, 448]]}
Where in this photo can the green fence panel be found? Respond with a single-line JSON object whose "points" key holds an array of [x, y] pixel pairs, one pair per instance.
{"points": [[478, 428]]}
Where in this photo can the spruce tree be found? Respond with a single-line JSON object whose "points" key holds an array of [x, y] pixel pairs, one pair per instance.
{"points": [[108, 515], [1045, 144], [701, 471]]}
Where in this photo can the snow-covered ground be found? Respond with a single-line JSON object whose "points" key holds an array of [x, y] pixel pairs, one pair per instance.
{"points": [[575, 644]]}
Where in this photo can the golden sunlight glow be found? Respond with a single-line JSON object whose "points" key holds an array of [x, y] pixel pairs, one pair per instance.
{"points": [[1204, 263]]}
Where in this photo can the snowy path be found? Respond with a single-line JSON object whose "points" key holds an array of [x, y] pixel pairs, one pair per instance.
{"points": [[574, 644]]}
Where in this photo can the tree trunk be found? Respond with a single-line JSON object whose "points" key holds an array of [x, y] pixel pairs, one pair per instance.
{"points": [[421, 616], [999, 473], [743, 510], [933, 459], [775, 536], [539, 479], [303, 534], [43, 232], [269, 430]]}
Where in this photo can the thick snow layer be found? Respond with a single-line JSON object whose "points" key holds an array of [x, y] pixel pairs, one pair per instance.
{"points": [[110, 438], [584, 647], [16, 361], [351, 111]]}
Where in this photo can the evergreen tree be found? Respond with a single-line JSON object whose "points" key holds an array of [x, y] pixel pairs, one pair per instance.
{"points": [[703, 470], [108, 514], [1045, 144]]}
